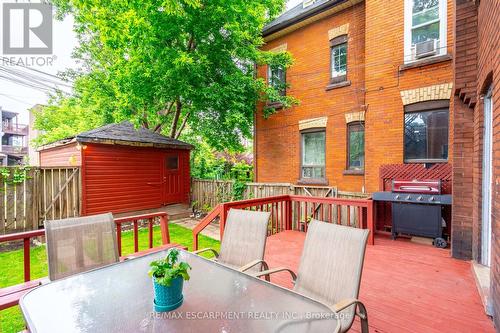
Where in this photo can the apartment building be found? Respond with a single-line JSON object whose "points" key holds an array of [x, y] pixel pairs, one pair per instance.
{"points": [[13, 150]]}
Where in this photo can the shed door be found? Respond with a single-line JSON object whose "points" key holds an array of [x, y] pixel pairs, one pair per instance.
{"points": [[172, 179]]}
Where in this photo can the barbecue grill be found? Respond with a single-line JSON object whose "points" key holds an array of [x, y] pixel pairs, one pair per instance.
{"points": [[416, 208]]}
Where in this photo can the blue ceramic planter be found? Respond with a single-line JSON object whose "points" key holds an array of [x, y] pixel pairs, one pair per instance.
{"points": [[168, 298]]}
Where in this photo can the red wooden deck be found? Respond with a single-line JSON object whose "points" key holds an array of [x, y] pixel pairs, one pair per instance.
{"points": [[406, 287]]}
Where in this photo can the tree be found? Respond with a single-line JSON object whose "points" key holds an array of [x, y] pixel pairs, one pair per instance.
{"points": [[172, 64], [62, 120]]}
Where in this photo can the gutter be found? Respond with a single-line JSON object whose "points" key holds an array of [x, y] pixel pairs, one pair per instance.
{"points": [[313, 12]]}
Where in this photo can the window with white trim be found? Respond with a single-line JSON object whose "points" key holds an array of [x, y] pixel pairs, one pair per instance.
{"points": [[313, 154], [276, 77], [338, 59], [425, 29]]}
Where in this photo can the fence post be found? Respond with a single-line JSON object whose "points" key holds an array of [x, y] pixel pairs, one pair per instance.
{"points": [[370, 220], [165, 234], [222, 222], [289, 214]]}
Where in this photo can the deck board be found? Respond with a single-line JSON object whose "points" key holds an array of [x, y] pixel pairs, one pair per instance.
{"points": [[406, 287]]}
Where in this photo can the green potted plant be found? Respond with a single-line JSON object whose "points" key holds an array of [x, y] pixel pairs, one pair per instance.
{"points": [[168, 278]]}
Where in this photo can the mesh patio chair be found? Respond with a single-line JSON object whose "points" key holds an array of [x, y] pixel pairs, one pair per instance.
{"points": [[75, 245], [330, 270], [244, 241]]}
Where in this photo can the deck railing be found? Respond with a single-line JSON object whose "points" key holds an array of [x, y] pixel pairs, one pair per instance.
{"points": [[294, 212], [121, 222]]}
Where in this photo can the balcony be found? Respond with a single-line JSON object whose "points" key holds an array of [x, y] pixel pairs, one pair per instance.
{"points": [[13, 150], [17, 129]]}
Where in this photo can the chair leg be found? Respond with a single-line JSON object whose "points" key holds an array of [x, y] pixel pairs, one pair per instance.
{"points": [[363, 315]]}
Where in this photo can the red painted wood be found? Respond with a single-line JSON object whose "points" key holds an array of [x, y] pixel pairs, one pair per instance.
{"points": [[275, 205], [165, 234], [27, 261], [136, 236], [124, 178], [406, 287], [62, 156], [150, 238], [119, 238], [10, 296], [153, 250]]}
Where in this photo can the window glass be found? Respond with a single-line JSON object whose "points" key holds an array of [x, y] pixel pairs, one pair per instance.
{"points": [[425, 20], [339, 60], [313, 155], [277, 78], [172, 162], [356, 146], [426, 135]]}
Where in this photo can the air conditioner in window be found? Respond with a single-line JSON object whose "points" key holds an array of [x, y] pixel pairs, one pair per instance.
{"points": [[426, 49]]}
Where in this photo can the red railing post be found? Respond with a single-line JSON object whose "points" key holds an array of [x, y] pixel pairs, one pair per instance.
{"points": [[370, 220], [119, 238], [27, 263], [165, 234], [136, 236], [150, 227], [289, 214], [195, 242], [222, 222]]}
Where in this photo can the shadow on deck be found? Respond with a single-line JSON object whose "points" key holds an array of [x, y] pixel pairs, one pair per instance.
{"points": [[406, 287]]}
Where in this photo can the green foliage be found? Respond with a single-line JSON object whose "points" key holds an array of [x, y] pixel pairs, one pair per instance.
{"points": [[172, 65], [239, 188], [64, 117], [14, 175], [242, 172], [167, 269]]}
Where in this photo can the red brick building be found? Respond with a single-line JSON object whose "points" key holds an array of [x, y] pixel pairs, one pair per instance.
{"points": [[476, 146], [365, 73]]}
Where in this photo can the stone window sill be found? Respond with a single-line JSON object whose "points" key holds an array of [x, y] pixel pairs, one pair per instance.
{"points": [[353, 172], [426, 62], [309, 181], [332, 86]]}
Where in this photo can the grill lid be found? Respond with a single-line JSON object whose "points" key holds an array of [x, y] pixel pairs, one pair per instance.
{"points": [[417, 186]]}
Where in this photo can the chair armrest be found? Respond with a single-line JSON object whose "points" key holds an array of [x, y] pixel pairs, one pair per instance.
{"points": [[360, 311], [276, 270], [252, 264], [256, 262], [343, 304], [207, 250]]}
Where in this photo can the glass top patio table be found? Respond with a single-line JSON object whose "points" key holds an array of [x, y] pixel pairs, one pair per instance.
{"points": [[119, 298]]}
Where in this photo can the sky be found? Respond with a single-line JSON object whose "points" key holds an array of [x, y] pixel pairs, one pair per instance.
{"points": [[19, 98]]}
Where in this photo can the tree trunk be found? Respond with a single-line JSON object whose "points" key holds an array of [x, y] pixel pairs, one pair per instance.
{"points": [[175, 121]]}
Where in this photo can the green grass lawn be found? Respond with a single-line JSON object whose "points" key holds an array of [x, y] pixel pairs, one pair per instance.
{"points": [[11, 265]]}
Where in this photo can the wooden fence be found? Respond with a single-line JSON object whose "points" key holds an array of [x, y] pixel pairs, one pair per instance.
{"points": [[206, 194], [39, 194]]}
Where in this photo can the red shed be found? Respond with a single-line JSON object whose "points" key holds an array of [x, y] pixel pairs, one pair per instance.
{"points": [[124, 169]]}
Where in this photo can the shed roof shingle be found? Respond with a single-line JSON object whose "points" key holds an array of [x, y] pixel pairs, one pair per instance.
{"points": [[123, 133], [126, 132]]}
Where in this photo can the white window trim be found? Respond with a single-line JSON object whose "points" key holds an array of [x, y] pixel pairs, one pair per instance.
{"points": [[443, 7]]}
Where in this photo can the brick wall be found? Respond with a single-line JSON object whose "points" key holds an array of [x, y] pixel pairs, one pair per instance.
{"points": [[277, 139], [385, 82], [477, 67], [465, 129], [375, 54], [489, 74]]}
